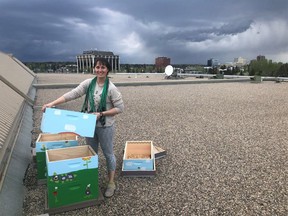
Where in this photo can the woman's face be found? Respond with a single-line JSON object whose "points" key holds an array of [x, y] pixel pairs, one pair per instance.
{"points": [[101, 70]]}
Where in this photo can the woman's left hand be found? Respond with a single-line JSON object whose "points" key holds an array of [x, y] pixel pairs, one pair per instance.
{"points": [[97, 114]]}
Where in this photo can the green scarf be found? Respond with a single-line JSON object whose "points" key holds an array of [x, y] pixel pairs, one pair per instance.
{"points": [[89, 98]]}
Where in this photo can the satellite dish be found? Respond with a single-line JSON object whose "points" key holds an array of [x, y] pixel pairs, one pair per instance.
{"points": [[168, 70]]}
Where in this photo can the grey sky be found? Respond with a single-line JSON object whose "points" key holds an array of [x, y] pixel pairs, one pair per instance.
{"points": [[187, 31]]}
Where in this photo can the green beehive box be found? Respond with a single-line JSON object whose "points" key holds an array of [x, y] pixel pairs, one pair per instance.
{"points": [[72, 176]]}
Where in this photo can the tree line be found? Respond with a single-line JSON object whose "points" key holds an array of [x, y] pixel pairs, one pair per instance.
{"points": [[268, 68], [261, 67]]}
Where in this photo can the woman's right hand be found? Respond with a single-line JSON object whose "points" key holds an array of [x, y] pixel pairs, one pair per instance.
{"points": [[58, 101], [49, 105]]}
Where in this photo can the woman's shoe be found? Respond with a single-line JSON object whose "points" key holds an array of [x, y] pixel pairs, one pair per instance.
{"points": [[111, 187]]}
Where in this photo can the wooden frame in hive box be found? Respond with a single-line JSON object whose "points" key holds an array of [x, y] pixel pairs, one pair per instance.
{"points": [[138, 159], [72, 179]]}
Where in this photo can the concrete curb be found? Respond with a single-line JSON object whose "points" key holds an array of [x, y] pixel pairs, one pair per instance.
{"points": [[164, 82]]}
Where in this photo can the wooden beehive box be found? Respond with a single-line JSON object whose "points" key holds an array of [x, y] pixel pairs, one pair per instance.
{"points": [[138, 159], [72, 176], [60, 129], [51, 141]]}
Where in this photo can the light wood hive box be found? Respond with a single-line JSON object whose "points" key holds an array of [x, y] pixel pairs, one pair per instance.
{"points": [[139, 156]]}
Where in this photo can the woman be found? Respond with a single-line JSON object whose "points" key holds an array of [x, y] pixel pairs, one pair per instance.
{"points": [[105, 101]]}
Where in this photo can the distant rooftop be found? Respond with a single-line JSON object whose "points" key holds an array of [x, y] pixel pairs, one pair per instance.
{"points": [[97, 52]]}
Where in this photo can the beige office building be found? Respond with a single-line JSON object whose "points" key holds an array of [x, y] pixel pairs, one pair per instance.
{"points": [[240, 61], [85, 61]]}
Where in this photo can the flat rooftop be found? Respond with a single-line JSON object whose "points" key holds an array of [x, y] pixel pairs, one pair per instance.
{"points": [[226, 145]]}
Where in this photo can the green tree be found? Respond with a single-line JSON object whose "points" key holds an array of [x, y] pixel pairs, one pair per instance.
{"points": [[263, 68], [282, 71]]}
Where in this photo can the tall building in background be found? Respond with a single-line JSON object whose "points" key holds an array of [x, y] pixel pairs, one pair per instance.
{"points": [[213, 62], [260, 57], [85, 61], [162, 62]]}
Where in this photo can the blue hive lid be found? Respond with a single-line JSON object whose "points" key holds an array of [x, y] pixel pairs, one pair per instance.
{"points": [[59, 121]]}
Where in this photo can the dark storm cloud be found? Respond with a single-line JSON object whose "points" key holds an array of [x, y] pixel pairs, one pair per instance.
{"points": [[139, 31]]}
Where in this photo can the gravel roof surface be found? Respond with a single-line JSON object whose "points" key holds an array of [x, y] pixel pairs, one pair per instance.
{"points": [[226, 144]]}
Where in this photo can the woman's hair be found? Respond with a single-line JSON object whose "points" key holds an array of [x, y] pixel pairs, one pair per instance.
{"points": [[103, 61]]}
